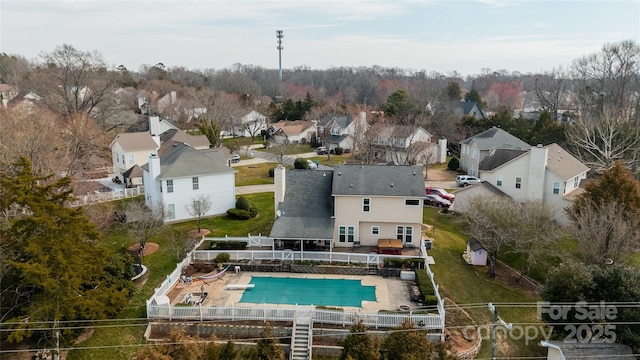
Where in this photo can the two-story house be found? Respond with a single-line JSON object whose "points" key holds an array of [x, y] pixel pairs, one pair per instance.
{"points": [[474, 149], [548, 174], [182, 175], [351, 205], [342, 130], [130, 150], [406, 145], [250, 125]]}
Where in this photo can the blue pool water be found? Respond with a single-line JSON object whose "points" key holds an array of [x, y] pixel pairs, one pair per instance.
{"points": [[301, 291]]}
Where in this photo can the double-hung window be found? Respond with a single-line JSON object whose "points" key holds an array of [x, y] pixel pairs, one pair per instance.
{"points": [[169, 186], [366, 205], [499, 180], [518, 182], [556, 187], [346, 234], [196, 183]]}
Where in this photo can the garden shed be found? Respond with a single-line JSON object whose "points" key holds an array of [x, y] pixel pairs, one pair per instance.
{"points": [[476, 253]]}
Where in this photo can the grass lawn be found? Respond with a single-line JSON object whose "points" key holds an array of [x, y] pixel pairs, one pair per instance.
{"points": [[290, 149], [472, 289], [335, 159], [120, 340], [257, 174]]}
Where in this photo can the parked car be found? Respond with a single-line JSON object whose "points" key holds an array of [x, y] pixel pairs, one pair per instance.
{"points": [[321, 150], [312, 165], [465, 180], [440, 192], [235, 158], [435, 200]]}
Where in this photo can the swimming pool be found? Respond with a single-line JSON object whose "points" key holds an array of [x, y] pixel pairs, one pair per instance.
{"points": [[305, 291]]}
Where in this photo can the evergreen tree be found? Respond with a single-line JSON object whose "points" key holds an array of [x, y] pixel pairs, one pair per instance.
{"points": [[58, 269], [268, 347], [474, 96]]}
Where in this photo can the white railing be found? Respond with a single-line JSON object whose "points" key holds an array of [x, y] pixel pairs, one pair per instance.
{"points": [[265, 313], [331, 257], [280, 313], [106, 196]]}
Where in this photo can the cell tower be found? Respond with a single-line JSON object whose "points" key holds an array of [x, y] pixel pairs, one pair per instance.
{"points": [[279, 35]]}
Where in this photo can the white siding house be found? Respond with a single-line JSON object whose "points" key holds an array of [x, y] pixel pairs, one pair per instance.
{"points": [[474, 149], [180, 176]]}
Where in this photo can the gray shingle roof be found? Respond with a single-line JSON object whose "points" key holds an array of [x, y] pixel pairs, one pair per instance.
{"points": [[580, 351], [343, 120], [185, 161], [307, 208], [498, 139], [379, 180], [499, 157], [136, 141], [563, 164]]}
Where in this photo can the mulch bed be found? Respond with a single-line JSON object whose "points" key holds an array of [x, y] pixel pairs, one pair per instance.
{"points": [[149, 249]]}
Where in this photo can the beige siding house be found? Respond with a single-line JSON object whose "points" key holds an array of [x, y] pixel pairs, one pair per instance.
{"points": [[351, 205]]}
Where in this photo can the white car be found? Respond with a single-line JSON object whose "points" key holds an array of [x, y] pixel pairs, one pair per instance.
{"points": [[312, 165], [465, 180]]}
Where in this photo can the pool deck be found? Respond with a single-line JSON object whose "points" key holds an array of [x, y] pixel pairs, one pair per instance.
{"points": [[390, 292]]}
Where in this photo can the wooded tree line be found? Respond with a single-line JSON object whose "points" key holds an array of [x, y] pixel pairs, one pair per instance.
{"points": [[599, 92]]}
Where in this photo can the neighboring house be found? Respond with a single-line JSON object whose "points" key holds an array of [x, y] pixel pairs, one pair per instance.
{"points": [[7, 92], [132, 149], [565, 350], [250, 125], [474, 149], [183, 174], [467, 108], [341, 130], [27, 101], [292, 132], [548, 174], [466, 194], [351, 205], [406, 145]]}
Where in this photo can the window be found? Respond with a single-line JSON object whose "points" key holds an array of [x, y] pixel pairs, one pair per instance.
{"points": [[117, 157], [412, 202], [556, 187], [576, 182], [474, 153], [130, 159], [518, 182], [171, 209], [366, 205], [408, 237], [169, 186], [375, 230], [346, 233], [399, 232], [499, 180], [196, 184]]}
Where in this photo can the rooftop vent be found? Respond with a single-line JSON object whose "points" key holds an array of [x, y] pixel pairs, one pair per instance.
{"points": [[391, 184]]}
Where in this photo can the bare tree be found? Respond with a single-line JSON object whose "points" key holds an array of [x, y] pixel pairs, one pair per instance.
{"points": [[143, 223], [72, 81], [599, 144], [550, 90], [179, 243], [199, 207], [602, 233], [503, 225]]}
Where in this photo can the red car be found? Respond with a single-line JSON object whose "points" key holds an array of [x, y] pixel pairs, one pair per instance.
{"points": [[440, 192]]}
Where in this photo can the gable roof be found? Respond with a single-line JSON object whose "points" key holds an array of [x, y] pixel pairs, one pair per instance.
{"points": [[180, 136], [143, 125], [306, 214], [378, 180], [293, 127], [134, 172], [343, 120], [579, 351], [498, 139], [563, 164], [475, 245], [468, 106], [499, 158], [485, 186], [184, 161], [135, 141]]}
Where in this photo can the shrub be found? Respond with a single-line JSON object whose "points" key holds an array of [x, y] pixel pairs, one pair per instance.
{"points": [[430, 300], [272, 172], [243, 203], [222, 257], [339, 150], [453, 164], [300, 163], [238, 214], [228, 245]]}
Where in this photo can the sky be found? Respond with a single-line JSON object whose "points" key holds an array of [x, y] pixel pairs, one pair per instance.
{"points": [[443, 36]]}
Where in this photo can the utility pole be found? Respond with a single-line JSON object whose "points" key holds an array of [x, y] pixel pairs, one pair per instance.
{"points": [[496, 320], [279, 35]]}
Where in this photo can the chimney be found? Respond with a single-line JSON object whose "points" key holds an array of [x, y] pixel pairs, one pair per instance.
{"points": [[154, 166], [5, 102], [173, 97], [442, 150], [537, 169], [280, 186], [154, 126]]}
